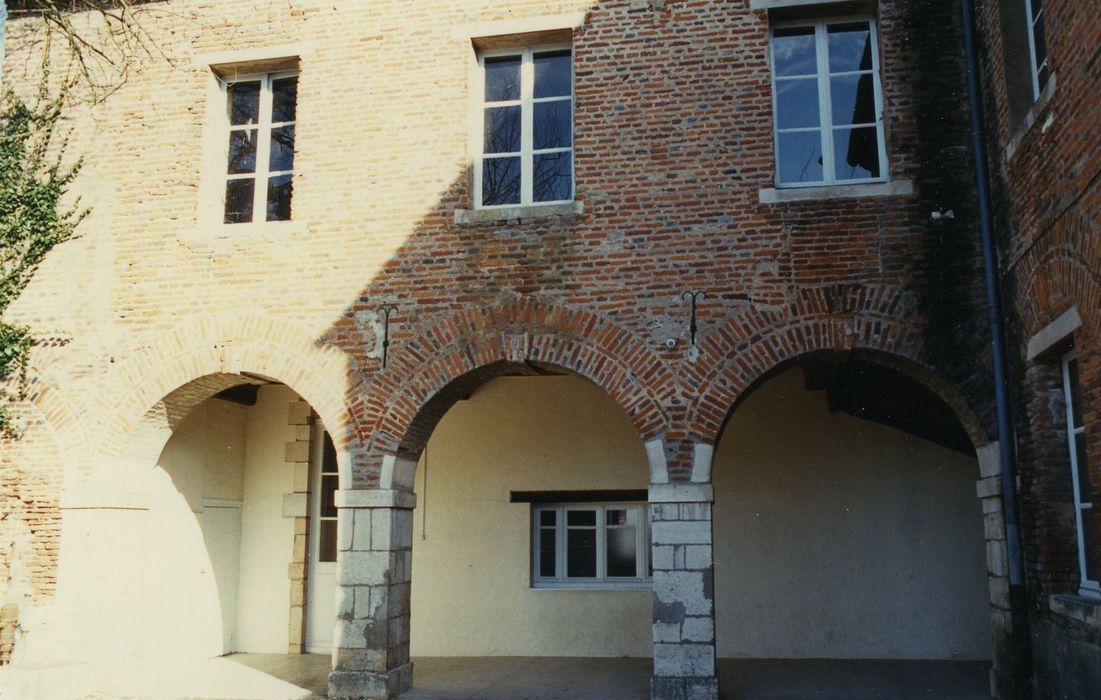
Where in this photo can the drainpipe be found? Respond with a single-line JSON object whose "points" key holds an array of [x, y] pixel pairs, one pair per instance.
{"points": [[1007, 445]]}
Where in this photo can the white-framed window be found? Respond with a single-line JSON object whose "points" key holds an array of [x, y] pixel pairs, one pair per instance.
{"points": [[1037, 45], [1083, 495], [259, 165], [590, 545], [827, 103], [525, 127], [326, 483]]}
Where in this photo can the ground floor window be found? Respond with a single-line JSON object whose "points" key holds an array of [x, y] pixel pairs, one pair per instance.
{"points": [[588, 545], [1083, 491]]}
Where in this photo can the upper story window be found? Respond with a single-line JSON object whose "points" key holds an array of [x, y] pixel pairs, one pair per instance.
{"points": [[1083, 492], [827, 103], [526, 127], [1037, 47], [260, 119], [586, 545]]}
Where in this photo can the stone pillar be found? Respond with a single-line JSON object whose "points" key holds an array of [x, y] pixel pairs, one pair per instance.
{"points": [[684, 574], [374, 568]]}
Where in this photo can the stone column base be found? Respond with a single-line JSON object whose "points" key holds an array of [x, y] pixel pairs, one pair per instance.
{"points": [[369, 685], [677, 688]]}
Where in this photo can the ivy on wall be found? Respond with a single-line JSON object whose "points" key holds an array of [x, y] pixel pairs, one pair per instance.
{"points": [[33, 219]]}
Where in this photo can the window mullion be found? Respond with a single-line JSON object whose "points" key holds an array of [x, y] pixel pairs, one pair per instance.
{"points": [[527, 90], [825, 109], [601, 543], [560, 542], [263, 147]]}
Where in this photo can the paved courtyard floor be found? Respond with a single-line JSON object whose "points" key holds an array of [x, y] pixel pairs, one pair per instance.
{"points": [[299, 677]]}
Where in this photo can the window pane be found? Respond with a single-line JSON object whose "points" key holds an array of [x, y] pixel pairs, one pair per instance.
{"points": [[552, 179], [546, 551], [581, 553], [1087, 543], [553, 74], [282, 149], [797, 103], [326, 546], [328, 495], [547, 518], [502, 130], [583, 518], [793, 51], [244, 102], [1037, 5], [615, 516], [800, 157], [328, 456], [552, 124], [284, 96], [1041, 43], [1085, 492], [242, 151], [1075, 391], [239, 200], [850, 47], [856, 152], [280, 189], [501, 181], [502, 78], [853, 99], [621, 551]]}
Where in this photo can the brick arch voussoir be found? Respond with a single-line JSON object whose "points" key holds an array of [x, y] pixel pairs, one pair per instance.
{"points": [[575, 340], [1065, 275], [163, 380], [890, 342]]}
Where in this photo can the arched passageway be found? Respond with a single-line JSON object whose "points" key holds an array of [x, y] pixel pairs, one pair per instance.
{"points": [[846, 520]]}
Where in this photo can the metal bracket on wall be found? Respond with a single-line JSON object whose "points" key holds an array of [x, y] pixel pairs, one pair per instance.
{"points": [[386, 310], [693, 327]]}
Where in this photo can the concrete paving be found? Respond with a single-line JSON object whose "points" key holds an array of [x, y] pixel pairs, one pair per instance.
{"points": [[300, 677]]}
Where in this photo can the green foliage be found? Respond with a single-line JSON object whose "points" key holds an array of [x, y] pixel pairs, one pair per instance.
{"points": [[33, 181]]}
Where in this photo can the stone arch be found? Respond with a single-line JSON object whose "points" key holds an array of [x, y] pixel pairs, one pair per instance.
{"points": [[429, 372], [167, 377], [768, 342]]}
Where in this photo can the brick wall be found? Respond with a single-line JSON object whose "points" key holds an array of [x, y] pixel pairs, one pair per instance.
{"points": [[1049, 224], [673, 141]]}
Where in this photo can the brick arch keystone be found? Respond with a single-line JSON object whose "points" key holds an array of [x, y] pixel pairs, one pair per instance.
{"points": [[402, 403], [755, 342]]}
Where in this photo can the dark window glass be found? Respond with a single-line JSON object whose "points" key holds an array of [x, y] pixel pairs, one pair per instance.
{"points": [[849, 47], [1075, 391], [553, 74], [1085, 491], [280, 189], [502, 78], [239, 195], [328, 456], [328, 495], [793, 51], [244, 102], [501, 181], [242, 151], [502, 130], [284, 96], [800, 156], [853, 99], [552, 179], [552, 124], [856, 152], [620, 552], [547, 518], [581, 552], [582, 518], [326, 540], [1087, 544], [797, 103], [546, 552], [282, 149]]}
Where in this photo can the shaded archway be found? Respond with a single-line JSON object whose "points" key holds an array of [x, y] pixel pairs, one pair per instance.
{"points": [[846, 522]]}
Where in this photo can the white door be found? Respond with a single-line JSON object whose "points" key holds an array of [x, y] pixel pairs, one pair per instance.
{"points": [[222, 532], [321, 609]]}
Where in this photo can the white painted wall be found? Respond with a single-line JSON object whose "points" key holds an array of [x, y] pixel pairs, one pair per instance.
{"points": [[471, 574], [837, 537], [267, 538]]}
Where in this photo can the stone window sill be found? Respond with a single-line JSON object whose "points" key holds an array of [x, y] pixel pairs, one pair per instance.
{"points": [[535, 211], [775, 195], [1031, 118], [1077, 607]]}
